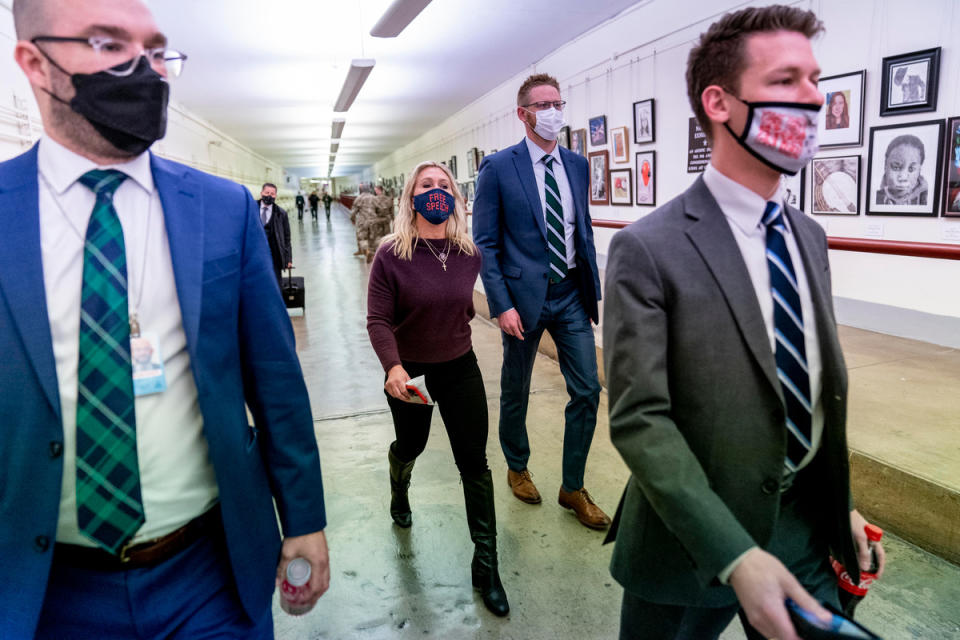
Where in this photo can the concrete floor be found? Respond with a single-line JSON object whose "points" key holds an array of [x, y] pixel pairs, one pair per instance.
{"points": [[393, 583]]}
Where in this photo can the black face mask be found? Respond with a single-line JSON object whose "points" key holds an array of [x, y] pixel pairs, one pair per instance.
{"points": [[129, 111], [267, 199]]}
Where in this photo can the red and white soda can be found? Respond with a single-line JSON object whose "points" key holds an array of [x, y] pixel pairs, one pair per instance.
{"points": [[298, 575]]}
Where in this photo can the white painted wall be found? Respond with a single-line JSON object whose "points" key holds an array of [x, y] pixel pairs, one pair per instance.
{"points": [[642, 54]]}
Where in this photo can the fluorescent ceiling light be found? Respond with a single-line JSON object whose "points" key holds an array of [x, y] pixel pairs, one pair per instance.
{"points": [[396, 18], [360, 68], [334, 146], [337, 128]]}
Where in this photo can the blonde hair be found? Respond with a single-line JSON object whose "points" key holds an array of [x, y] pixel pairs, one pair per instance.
{"points": [[405, 235]]}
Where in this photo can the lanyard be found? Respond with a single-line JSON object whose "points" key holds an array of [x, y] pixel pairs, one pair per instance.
{"points": [[134, 315]]}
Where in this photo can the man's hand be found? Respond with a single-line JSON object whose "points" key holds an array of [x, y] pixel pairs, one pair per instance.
{"points": [[857, 523], [313, 547], [289, 265], [396, 384], [762, 585], [510, 324]]}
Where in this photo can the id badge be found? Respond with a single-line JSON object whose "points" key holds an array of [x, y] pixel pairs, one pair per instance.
{"points": [[148, 375]]}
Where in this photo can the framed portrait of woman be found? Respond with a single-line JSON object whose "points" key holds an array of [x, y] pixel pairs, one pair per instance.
{"points": [[951, 170], [841, 124], [904, 171], [599, 178]]}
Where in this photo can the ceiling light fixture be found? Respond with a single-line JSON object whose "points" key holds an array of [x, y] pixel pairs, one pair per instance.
{"points": [[360, 68], [337, 128], [396, 18], [334, 146]]}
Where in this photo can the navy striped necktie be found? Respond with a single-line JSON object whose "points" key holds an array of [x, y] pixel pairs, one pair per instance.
{"points": [[790, 351]]}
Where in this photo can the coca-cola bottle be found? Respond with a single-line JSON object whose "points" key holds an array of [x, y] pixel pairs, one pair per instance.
{"points": [[851, 594]]}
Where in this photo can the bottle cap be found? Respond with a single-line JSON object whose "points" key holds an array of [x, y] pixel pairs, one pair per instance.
{"points": [[298, 572], [874, 532]]}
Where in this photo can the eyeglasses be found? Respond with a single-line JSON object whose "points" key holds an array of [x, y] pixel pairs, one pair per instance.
{"points": [[558, 105], [120, 57]]}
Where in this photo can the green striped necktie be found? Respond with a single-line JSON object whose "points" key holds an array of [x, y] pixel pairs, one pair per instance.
{"points": [[556, 237]]}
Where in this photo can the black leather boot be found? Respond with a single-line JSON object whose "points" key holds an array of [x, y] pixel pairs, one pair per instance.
{"points": [[482, 520], [399, 483]]}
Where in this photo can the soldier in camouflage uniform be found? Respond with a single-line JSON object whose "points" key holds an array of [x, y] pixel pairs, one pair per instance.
{"points": [[384, 206], [364, 215]]}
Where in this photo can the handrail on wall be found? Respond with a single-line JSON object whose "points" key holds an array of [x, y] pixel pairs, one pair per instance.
{"points": [[887, 247]]}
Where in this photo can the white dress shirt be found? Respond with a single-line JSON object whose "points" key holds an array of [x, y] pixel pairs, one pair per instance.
{"points": [[176, 476], [743, 210], [566, 195]]}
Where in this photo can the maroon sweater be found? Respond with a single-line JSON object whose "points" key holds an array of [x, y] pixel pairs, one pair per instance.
{"points": [[416, 311]]}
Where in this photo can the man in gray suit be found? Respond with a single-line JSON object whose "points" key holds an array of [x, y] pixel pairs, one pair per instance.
{"points": [[727, 383]]}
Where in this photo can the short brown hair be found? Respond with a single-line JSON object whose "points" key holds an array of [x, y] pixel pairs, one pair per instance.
{"points": [[536, 80], [29, 18], [720, 55]]}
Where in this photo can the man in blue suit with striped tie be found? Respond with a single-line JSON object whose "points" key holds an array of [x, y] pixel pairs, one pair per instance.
{"points": [[130, 509], [532, 225]]}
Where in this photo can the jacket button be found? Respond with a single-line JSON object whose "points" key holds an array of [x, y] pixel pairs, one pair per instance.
{"points": [[56, 448], [770, 486], [41, 543]]}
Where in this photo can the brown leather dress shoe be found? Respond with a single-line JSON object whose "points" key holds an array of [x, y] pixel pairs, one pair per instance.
{"points": [[522, 485], [586, 510]]}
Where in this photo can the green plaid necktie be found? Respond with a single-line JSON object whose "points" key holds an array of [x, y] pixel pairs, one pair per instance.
{"points": [[556, 236], [109, 507]]}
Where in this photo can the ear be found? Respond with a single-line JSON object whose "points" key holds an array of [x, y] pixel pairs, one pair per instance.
{"points": [[32, 62], [715, 104], [522, 114]]}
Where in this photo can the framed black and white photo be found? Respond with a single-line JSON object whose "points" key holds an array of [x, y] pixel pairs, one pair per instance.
{"points": [[910, 82], [598, 131], [452, 165], [563, 138], [835, 186], [903, 171], [951, 170], [793, 189], [621, 187], [599, 163], [644, 125], [471, 162], [646, 172], [578, 141], [842, 122]]}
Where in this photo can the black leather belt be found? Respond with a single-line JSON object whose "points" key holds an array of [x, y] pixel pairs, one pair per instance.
{"points": [[143, 554]]}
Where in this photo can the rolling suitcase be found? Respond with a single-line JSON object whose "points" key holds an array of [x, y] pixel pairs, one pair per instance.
{"points": [[294, 294]]}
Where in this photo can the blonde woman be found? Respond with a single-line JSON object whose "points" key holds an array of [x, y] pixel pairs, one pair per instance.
{"points": [[419, 307]]}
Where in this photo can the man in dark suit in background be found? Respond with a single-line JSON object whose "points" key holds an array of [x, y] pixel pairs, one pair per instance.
{"points": [[277, 227], [727, 383], [532, 225], [152, 515]]}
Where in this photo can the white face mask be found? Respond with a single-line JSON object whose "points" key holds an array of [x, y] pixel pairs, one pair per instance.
{"points": [[782, 135], [549, 123]]}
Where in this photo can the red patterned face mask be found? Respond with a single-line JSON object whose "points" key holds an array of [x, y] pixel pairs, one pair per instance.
{"points": [[782, 135]]}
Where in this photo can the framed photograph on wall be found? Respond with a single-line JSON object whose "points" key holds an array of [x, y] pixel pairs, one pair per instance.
{"points": [[909, 83], [903, 170], [835, 186], [842, 122], [951, 170], [620, 145], [598, 131], [452, 165], [578, 141], [563, 138], [599, 165], [471, 162], [644, 126], [621, 187], [794, 189], [646, 171]]}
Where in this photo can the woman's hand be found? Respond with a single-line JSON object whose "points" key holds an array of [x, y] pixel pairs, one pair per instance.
{"points": [[396, 384]]}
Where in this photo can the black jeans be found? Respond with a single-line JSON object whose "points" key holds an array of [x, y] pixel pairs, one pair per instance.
{"points": [[456, 386]]}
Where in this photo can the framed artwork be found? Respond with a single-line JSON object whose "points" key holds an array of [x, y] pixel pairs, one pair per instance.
{"points": [[563, 138], [452, 165], [842, 124], [646, 165], [620, 145], [621, 187], [951, 170], [909, 82], [578, 141], [471, 162], [599, 163], [835, 186], [903, 170], [644, 127], [598, 131], [793, 187]]}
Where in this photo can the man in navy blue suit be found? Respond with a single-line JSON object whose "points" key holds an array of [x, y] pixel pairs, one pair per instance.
{"points": [[129, 510], [531, 222]]}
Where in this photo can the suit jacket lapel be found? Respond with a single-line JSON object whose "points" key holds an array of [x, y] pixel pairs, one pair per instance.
{"points": [[182, 202], [21, 269], [715, 242], [521, 159], [576, 185]]}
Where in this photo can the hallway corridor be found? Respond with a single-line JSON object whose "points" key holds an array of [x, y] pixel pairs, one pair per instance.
{"points": [[388, 582]]}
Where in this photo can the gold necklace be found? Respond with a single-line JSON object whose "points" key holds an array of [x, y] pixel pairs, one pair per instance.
{"points": [[442, 256]]}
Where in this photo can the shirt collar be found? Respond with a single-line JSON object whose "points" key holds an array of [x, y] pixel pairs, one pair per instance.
{"points": [[536, 153], [63, 167], [741, 206]]}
